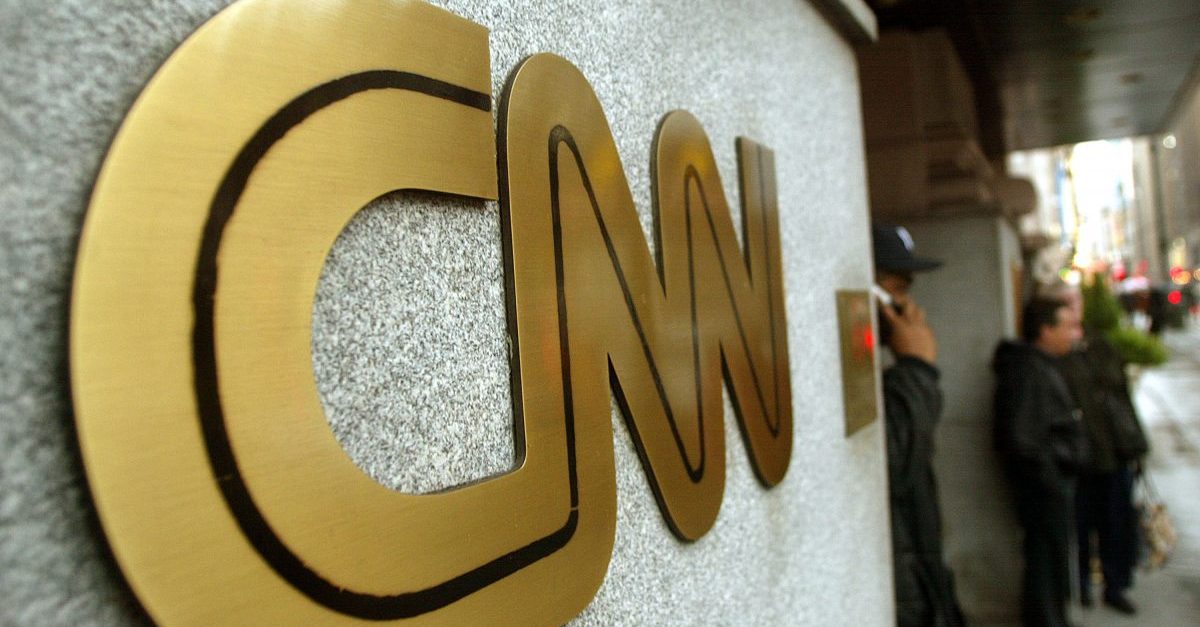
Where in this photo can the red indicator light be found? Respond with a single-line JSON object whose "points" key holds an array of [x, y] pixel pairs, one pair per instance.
{"points": [[1175, 297], [867, 339]]}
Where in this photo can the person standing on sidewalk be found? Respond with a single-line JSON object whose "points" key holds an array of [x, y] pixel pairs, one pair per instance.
{"points": [[1040, 441], [912, 404], [1095, 374]]}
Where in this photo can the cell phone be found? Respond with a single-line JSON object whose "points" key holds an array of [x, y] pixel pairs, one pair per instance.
{"points": [[882, 295], [885, 298]]}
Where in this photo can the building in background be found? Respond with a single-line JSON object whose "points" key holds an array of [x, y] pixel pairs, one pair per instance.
{"points": [[1096, 210]]}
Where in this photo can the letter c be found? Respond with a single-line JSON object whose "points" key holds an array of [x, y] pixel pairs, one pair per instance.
{"points": [[218, 481]]}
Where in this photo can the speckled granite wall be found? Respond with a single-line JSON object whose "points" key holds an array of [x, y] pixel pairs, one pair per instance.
{"points": [[408, 342]]}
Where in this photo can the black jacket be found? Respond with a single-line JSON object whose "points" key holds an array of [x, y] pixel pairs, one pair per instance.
{"points": [[924, 586], [1095, 375], [1037, 429]]}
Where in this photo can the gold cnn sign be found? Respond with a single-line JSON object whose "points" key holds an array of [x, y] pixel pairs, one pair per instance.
{"points": [[223, 491]]}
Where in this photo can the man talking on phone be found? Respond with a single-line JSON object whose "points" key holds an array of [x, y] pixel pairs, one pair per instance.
{"points": [[913, 404]]}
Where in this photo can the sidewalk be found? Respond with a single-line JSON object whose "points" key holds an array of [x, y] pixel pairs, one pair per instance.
{"points": [[1168, 400]]}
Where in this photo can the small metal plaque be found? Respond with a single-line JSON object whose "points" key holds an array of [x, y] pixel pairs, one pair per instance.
{"points": [[859, 389]]}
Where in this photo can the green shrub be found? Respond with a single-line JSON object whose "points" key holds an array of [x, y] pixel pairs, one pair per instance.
{"points": [[1101, 311], [1137, 347]]}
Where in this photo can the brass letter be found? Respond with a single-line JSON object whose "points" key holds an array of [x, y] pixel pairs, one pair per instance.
{"points": [[586, 298]]}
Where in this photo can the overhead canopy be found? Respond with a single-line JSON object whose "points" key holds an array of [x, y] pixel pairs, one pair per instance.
{"points": [[1051, 72]]}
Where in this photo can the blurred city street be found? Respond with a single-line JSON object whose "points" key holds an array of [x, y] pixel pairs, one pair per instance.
{"points": [[1168, 399]]}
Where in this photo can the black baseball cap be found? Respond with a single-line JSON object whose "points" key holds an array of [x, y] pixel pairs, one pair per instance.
{"points": [[894, 250]]}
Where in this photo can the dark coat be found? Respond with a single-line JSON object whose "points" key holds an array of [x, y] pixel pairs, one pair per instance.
{"points": [[1037, 429], [1095, 375], [924, 586]]}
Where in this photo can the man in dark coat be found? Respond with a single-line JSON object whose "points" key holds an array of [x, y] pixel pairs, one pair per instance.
{"points": [[913, 404], [1039, 437]]}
